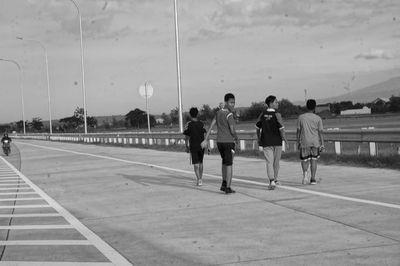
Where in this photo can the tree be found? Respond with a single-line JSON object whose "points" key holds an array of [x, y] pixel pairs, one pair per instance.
{"points": [[166, 118], [20, 125], [206, 113], [37, 123], [77, 120], [253, 111], [288, 109], [394, 104], [138, 118], [174, 114]]}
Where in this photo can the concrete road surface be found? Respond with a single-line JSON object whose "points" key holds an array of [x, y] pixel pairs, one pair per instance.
{"points": [[144, 204]]}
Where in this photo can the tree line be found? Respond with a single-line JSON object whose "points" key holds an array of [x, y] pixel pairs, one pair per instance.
{"points": [[137, 118]]}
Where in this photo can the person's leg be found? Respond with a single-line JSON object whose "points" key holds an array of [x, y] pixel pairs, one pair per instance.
{"points": [[229, 167], [197, 171], [221, 150], [229, 174], [313, 170], [269, 158], [201, 170], [314, 160], [277, 158], [201, 158]]}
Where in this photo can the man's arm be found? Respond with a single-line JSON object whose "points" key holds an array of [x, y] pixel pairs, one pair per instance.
{"points": [[321, 135], [187, 143], [231, 123], [204, 144], [282, 129]]}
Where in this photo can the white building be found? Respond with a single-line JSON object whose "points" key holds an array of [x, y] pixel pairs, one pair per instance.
{"points": [[364, 111]]}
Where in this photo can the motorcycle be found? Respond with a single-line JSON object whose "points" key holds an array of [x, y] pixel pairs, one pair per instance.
{"points": [[6, 147]]}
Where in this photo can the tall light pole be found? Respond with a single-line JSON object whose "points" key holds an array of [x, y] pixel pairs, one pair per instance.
{"points": [[178, 66], [47, 77], [21, 88], [82, 64]]}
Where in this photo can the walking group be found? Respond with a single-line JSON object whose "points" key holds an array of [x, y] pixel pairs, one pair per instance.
{"points": [[271, 136]]}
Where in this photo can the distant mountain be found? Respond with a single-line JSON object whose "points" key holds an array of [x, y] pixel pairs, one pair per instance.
{"points": [[381, 90]]}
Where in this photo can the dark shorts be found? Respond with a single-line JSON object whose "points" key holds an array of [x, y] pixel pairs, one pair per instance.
{"points": [[197, 156], [226, 150], [310, 153]]}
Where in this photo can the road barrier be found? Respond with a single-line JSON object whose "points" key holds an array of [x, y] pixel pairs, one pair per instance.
{"points": [[364, 141]]}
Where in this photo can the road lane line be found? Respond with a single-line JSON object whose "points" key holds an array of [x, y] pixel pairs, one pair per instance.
{"points": [[306, 191], [17, 185], [53, 263], [38, 206], [17, 193], [45, 243], [23, 188], [20, 199], [109, 252], [31, 215], [37, 227]]}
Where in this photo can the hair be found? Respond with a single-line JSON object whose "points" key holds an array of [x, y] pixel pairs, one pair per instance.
{"points": [[311, 104], [270, 99], [229, 96], [194, 112]]}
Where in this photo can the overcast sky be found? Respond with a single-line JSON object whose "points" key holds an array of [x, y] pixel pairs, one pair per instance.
{"points": [[249, 47]]}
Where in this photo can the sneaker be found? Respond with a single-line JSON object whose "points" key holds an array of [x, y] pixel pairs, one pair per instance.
{"points": [[223, 186], [277, 182], [313, 182], [228, 190], [199, 182], [272, 185]]}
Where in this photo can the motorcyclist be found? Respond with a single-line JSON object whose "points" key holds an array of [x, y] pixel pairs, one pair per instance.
{"points": [[5, 138]]}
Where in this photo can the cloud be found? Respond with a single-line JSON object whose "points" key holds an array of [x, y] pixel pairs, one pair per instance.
{"points": [[205, 34], [375, 54], [311, 13]]}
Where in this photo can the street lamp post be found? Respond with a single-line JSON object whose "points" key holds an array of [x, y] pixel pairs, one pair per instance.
{"points": [[21, 88], [178, 66], [82, 64], [47, 77]]}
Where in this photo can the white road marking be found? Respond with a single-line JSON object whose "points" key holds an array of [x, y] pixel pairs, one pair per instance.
{"points": [[306, 191], [110, 253], [45, 243], [36, 227], [22, 188], [31, 215], [18, 193], [38, 206], [54, 263], [14, 185], [19, 199]]}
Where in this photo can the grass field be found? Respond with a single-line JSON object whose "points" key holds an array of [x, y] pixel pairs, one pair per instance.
{"points": [[352, 122]]}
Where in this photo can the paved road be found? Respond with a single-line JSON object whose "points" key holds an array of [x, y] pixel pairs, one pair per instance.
{"points": [[144, 204]]}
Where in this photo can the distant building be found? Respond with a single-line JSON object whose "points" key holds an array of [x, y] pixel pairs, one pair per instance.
{"points": [[323, 108], [380, 101], [160, 120], [364, 111]]}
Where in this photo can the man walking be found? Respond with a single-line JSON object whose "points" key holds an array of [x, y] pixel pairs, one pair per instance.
{"points": [[226, 139], [270, 134], [194, 132], [310, 140]]}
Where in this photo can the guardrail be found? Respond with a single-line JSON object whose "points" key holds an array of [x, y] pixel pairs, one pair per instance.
{"points": [[370, 141]]}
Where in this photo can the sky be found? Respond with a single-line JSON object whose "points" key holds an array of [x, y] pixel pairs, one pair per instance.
{"points": [[252, 48]]}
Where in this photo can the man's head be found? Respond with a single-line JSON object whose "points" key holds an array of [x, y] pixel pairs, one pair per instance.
{"points": [[193, 112], [5, 134], [311, 104], [230, 101], [272, 102]]}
